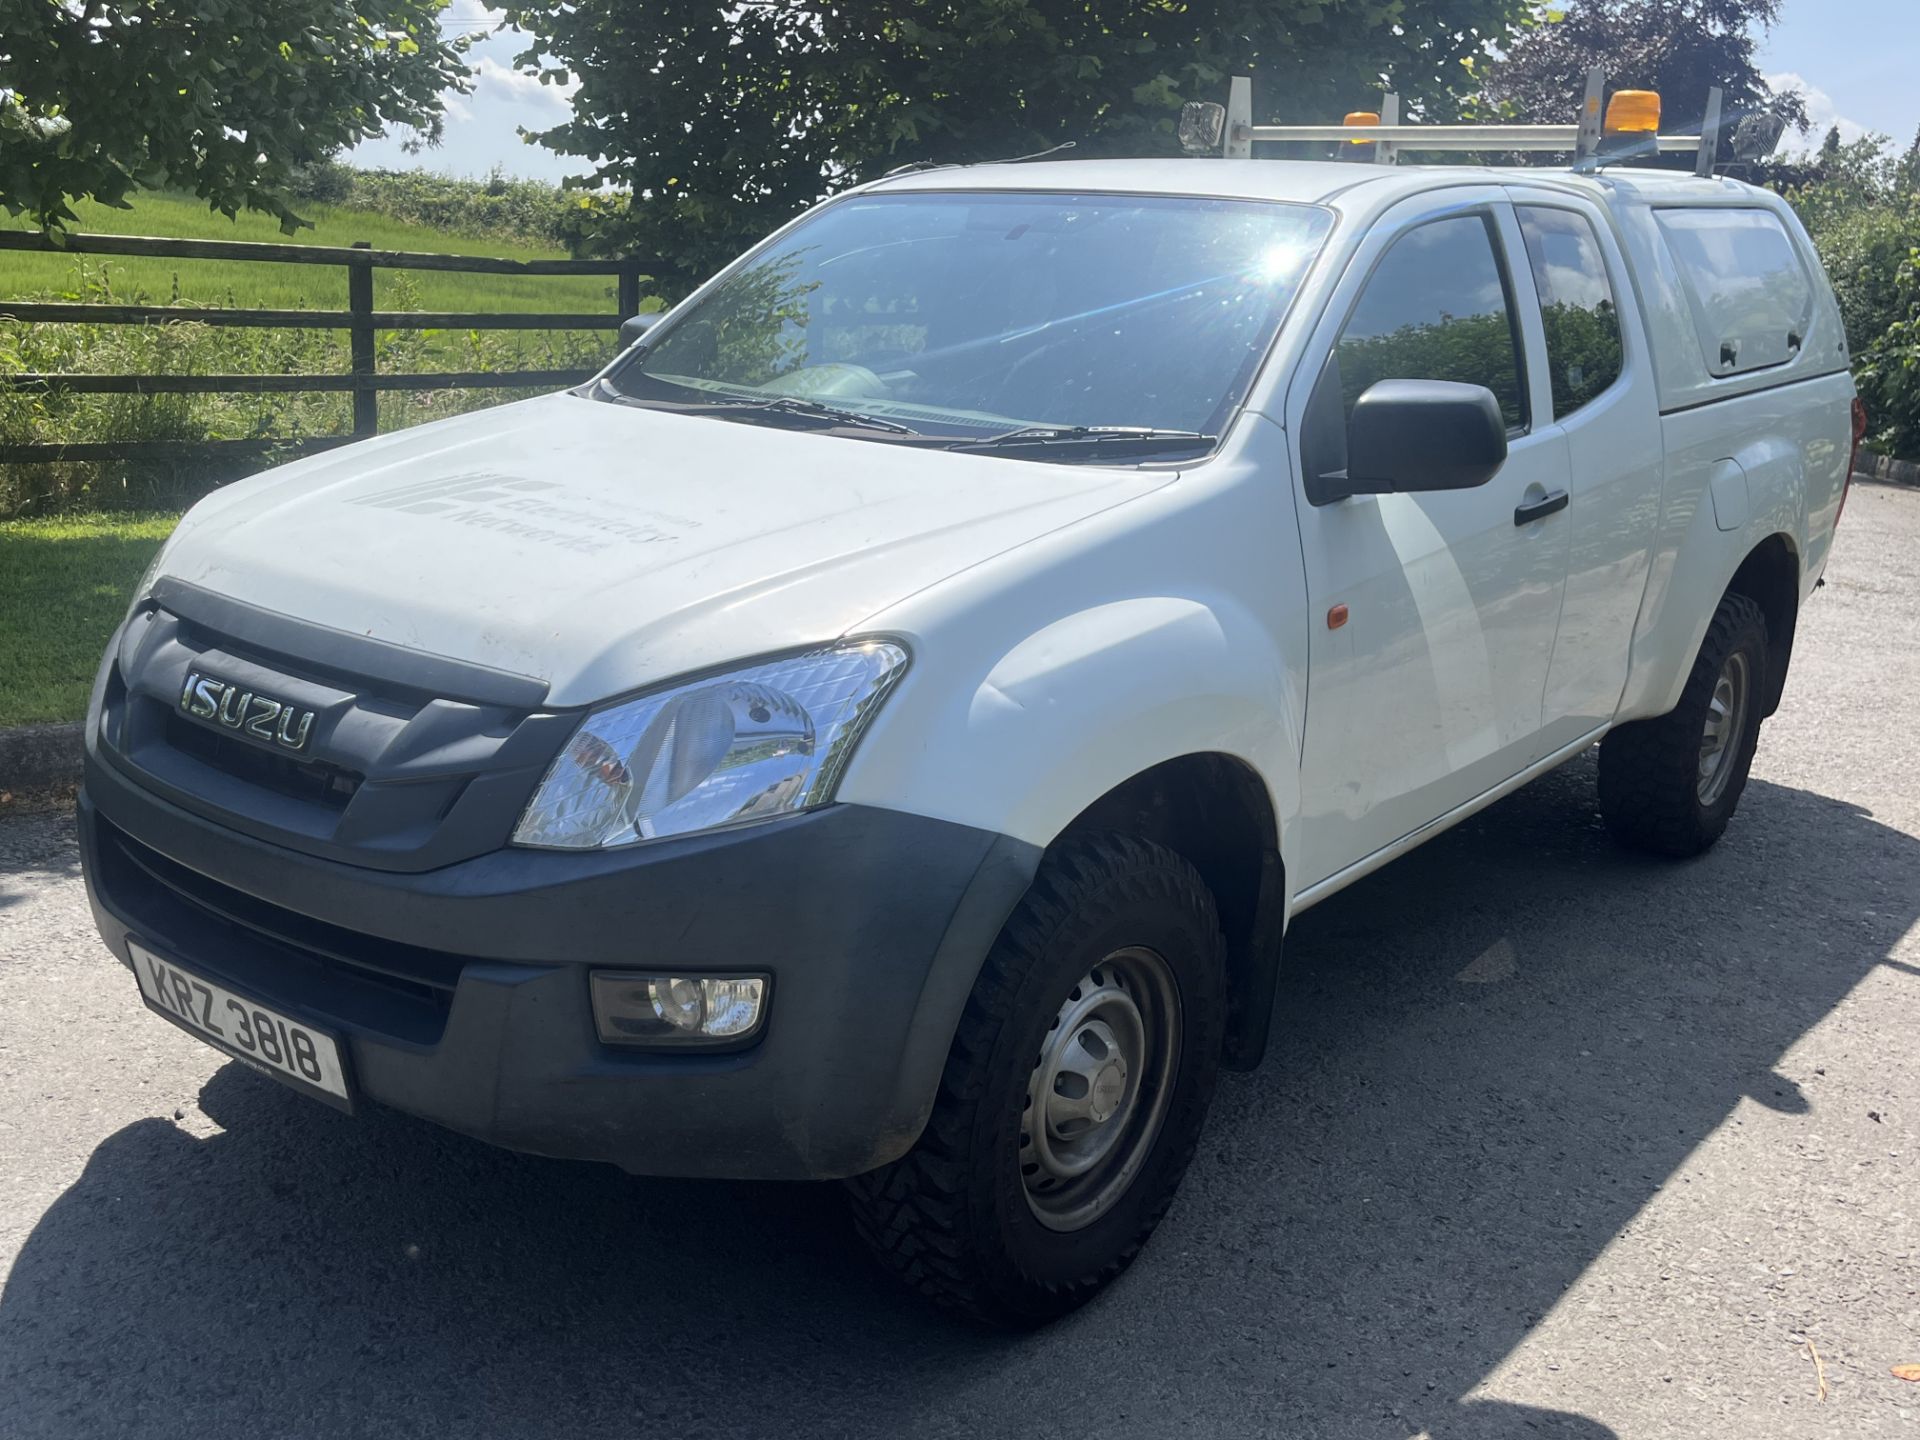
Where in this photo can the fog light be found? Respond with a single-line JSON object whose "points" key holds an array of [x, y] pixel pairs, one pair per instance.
{"points": [[678, 1002], [690, 1010]]}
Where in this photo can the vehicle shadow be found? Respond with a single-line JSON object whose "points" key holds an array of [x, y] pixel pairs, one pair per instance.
{"points": [[1487, 1059]]}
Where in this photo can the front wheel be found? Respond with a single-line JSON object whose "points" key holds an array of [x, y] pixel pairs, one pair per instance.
{"points": [[1073, 1096], [1670, 784]]}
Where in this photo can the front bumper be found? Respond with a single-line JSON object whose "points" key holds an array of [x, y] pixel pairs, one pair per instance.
{"points": [[460, 994]]}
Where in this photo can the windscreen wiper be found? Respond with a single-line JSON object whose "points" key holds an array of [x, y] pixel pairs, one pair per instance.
{"points": [[795, 406], [1052, 438]]}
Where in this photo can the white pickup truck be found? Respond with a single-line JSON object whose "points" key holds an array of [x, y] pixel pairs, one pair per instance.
{"points": [[881, 728]]}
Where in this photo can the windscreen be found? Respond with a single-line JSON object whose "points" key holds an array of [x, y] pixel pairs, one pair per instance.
{"points": [[968, 315]]}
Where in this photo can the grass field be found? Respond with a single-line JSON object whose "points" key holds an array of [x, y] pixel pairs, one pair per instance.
{"points": [[317, 287], [64, 581], [64, 584], [193, 349]]}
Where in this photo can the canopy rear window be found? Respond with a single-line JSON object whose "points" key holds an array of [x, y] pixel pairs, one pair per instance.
{"points": [[1746, 284]]}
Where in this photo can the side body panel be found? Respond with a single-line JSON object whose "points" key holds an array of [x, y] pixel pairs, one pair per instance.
{"points": [[1171, 626], [1788, 449], [1188, 620]]}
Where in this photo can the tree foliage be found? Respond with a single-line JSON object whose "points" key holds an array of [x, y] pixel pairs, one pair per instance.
{"points": [[725, 117], [1888, 373], [498, 207], [218, 97], [1466, 349], [1861, 204], [1680, 48], [1906, 174]]}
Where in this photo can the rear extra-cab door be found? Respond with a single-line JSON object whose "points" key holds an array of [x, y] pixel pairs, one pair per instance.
{"points": [[1604, 400]]}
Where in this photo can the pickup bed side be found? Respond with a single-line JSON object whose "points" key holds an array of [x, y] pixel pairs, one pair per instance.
{"points": [[1756, 470]]}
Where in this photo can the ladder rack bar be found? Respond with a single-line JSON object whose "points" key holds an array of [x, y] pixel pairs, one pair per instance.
{"points": [[1451, 137], [1405, 138]]}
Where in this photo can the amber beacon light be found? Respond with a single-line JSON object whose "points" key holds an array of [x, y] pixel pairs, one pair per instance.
{"points": [[1633, 112], [1359, 118]]}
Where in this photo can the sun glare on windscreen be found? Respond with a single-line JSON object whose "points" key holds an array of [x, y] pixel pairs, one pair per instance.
{"points": [[1277, 262]]}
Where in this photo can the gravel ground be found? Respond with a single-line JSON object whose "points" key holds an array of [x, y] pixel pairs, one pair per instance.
{"points": [[1554, 1141]]}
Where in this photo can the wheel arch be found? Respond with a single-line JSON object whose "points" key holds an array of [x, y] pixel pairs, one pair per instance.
{"points": [[1216, 812], [1770, 577], [1766, 570], [1156, 715]]}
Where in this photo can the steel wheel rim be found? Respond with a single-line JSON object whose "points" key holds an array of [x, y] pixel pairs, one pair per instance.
{"points": [[1099, 1089], [1726, 720]]}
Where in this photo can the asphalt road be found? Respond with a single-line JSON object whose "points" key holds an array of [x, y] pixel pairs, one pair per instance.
{"points": [[1554, 1141]]}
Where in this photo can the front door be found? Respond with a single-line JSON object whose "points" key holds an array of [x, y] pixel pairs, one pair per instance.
{"points": [[1425, 691]]}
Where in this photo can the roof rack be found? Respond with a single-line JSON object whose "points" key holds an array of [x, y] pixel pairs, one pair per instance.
{"points": [[1598, 138]]}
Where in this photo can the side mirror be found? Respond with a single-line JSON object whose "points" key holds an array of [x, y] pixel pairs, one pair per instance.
{"points": [[634, 328], [1411, 435]]}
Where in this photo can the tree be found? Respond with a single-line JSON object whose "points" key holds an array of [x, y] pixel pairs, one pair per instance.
{"points": [[1907, 172], [219, 97], [1860, 205], [725, 117], [1681, 48]]}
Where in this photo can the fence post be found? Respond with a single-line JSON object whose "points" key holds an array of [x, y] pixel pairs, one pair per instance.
{"points": [[629, 302], [366, 401]]}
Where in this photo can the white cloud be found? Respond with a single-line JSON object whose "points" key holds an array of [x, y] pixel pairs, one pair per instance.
{"points": [[464, 14], [483, 125], [492, 80], [1821, 111]]}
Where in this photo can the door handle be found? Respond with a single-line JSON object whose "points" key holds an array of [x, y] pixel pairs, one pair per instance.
{"points": [[1549, 504]]}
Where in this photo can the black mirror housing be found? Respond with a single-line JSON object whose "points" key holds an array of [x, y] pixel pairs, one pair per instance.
{"points": [[634, 328], [1415, 435]]}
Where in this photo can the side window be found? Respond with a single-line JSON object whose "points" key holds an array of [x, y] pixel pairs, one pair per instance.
{"points": [[1584, 353], [1436, 308], [1747, 288]]}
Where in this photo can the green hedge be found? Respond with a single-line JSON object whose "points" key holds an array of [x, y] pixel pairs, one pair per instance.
{"points": [[1863, 211], [498, 207]]}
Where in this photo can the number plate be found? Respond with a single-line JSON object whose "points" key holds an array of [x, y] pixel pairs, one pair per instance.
{"points": [[304, 1057]]}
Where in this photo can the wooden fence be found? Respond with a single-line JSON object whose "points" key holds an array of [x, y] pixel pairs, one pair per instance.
{"points": [[362, 380]]}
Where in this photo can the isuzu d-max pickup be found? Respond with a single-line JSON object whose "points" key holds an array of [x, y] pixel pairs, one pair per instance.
{"points": [[881, 728]]}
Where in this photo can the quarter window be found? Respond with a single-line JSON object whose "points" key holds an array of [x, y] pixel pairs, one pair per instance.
{"points": [[1746, 286], [1584, 354], [1436, 308]]}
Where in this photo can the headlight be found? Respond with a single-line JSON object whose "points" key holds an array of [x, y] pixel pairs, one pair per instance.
{"points": [[152, 574], [767, 740]]}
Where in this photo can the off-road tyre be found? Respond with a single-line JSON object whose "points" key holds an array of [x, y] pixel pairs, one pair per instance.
{"points": [[1650, 770], [952, 1218]]}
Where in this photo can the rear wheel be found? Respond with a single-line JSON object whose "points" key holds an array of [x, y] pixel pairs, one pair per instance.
{"points": [[1671, 784], [1073, 1096]]}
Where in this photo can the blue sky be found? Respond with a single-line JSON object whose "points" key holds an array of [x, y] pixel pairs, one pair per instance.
{"points": [[1853, 59], [482, 126]]}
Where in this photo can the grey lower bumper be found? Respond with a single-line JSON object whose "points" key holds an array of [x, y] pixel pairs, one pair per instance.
{"points": [[461, 995]]}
